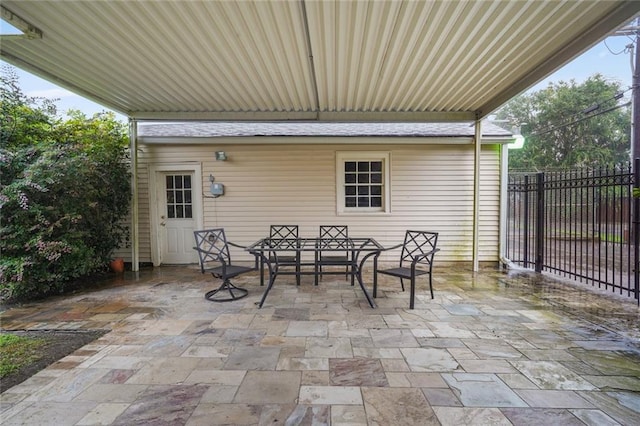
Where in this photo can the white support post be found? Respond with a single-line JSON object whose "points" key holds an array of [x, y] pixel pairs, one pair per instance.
{"points": [[133, 146], [476, 194]]}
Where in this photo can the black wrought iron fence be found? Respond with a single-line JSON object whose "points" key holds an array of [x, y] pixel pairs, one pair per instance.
{"points": [[577, 224]]}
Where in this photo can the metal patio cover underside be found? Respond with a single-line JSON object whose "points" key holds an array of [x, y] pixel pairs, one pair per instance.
{"points": [[305, 60]]}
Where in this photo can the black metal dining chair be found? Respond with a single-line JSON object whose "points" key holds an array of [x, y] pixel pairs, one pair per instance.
{"points": [[336, 237], [416, 259], [213, 252], [283, 234]]}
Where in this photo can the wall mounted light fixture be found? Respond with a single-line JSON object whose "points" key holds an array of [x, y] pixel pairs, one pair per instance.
{"points": [[221, 156]]}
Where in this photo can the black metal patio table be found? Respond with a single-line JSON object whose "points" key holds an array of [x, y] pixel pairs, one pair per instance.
{"points": [[361, 249]]}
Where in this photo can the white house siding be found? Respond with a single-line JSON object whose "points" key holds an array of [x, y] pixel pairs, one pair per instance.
{"points": [[431, 189], [144, 242]]}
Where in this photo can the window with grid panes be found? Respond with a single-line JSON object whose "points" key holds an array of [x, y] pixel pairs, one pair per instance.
{"points": [[179, 201], [362, 182]]}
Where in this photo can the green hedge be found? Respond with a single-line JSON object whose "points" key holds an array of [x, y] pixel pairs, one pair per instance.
{"points": [[64, 193]]}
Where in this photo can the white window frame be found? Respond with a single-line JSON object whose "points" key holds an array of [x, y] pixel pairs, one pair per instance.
{"points": [[341, 158]]}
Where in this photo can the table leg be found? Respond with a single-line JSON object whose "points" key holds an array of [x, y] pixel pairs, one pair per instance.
{"points": [[316, 268], [272, 279], [364, 290], [353, 261], [361, 282], [375, 276], [273, 272]]}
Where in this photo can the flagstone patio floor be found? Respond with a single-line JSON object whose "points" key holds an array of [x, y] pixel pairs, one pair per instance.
{"points": [[493, 347]]}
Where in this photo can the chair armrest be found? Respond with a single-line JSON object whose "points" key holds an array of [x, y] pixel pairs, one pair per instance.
{"points": [[236, 245], [422, 256], [200, 250], [208, 256], [397, 246]]}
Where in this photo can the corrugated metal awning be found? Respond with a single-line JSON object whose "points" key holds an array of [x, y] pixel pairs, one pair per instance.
{"points": [[304, 60]]}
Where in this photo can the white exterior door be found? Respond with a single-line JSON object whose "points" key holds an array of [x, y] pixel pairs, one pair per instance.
{"points": [[177, 212]]}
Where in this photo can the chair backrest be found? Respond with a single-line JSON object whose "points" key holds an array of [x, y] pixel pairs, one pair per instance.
{"points": [[277, 232], [418, 243], [335, 235], [284, 236], [334, 231], [212, 246]]}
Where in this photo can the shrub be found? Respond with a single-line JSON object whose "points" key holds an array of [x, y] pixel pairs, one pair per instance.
{"points": [[63, 198]]}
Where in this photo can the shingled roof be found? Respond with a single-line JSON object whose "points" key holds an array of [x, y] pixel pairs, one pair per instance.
{"points": [[311, 129]]}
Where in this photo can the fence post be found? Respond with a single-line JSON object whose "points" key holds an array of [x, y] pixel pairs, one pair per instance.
{"points": [[525, 224], [539, 230], [636, 230]]}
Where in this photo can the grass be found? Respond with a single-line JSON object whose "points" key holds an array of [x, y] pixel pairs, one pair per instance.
{"points": [[611, 238], [17, 352]]}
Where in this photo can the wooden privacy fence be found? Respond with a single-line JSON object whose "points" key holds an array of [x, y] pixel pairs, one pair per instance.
{"points": [[579, 224]]}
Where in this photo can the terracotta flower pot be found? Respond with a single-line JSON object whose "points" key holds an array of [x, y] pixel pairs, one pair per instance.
{"points": [[117, 265]]}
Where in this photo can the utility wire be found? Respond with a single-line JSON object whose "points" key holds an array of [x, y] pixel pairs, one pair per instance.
{"points": [[624, 49], [589, 109], [562, 126]]}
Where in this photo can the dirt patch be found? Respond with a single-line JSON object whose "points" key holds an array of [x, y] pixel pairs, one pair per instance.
{"points": [[58, 345]]}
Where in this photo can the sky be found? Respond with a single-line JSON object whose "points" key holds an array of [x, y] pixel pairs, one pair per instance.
{"points": [[608, 58]]}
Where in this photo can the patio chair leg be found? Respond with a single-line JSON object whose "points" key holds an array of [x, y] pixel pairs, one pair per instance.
{"points": [[431, 284], [218, 294], [412, 297], [402, 283]]}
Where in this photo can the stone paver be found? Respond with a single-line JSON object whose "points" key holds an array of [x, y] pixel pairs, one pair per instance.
{"points": [[493, 347]]}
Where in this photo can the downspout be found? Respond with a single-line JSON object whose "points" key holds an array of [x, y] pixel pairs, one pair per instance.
{"points": [[518, 142], [133, 147], [476, 194]]}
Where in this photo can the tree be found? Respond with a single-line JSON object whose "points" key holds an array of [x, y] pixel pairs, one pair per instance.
{"points": [[64, 193], [560, 132]]}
